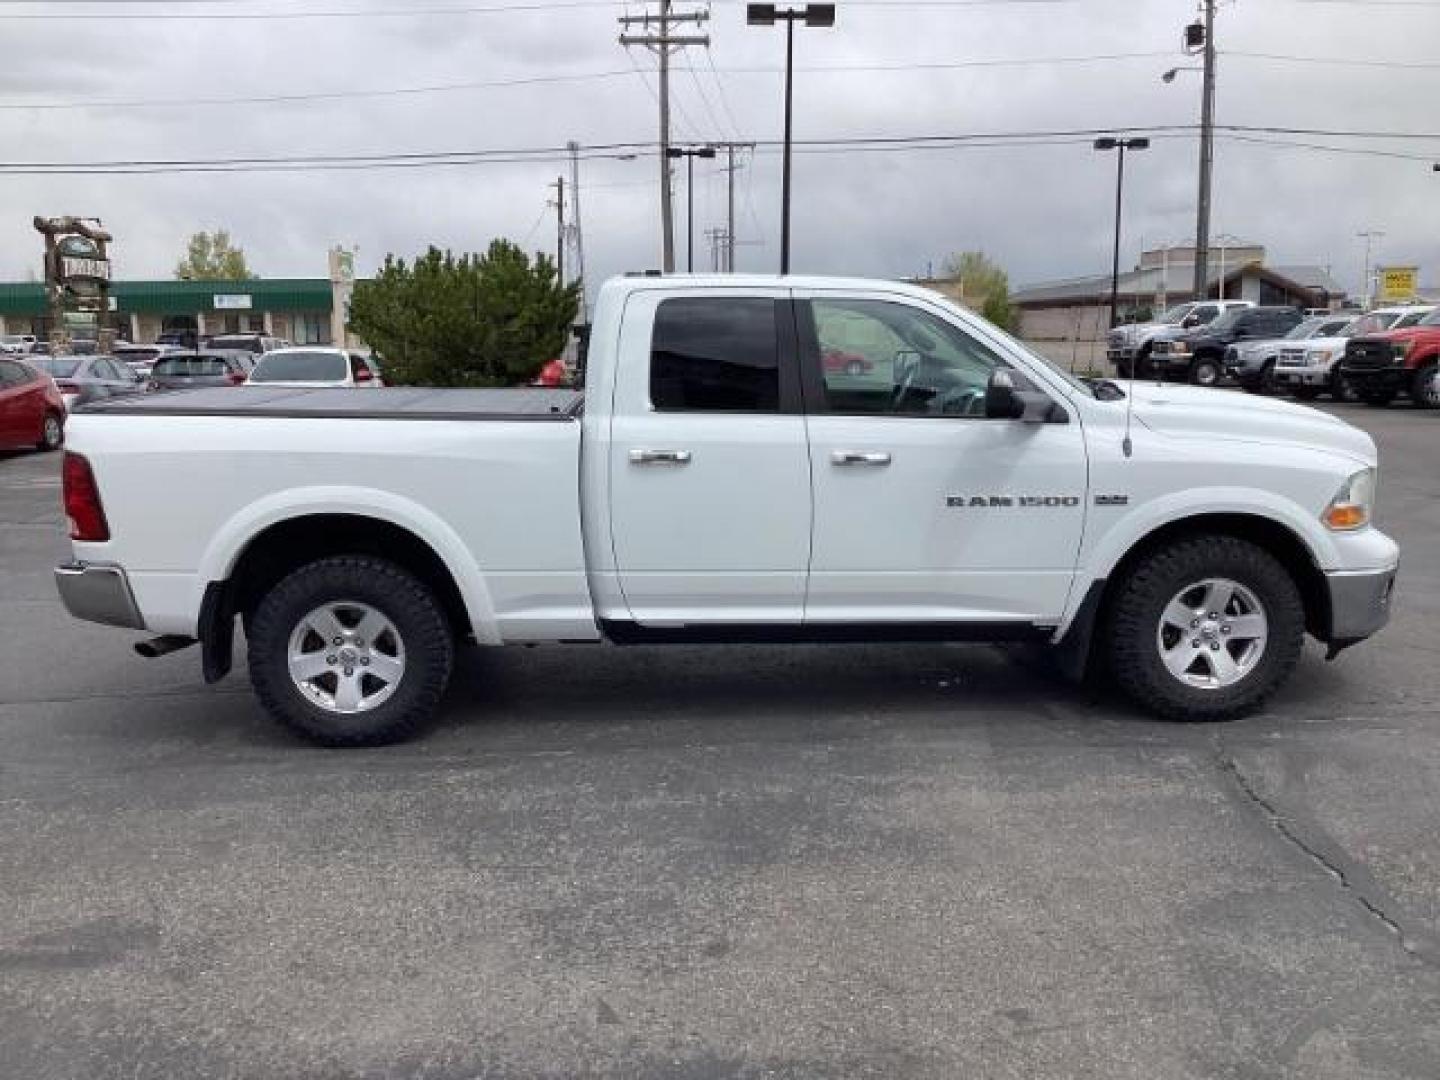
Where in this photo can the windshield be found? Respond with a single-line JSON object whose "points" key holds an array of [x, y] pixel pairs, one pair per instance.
{"points": [[300, 367], [1225, 321], [1176, 314], [62, 367], [1373, 323], [1306, 329]]}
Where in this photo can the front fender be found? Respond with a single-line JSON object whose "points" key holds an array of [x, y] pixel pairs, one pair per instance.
{"points": [[231, 539]]}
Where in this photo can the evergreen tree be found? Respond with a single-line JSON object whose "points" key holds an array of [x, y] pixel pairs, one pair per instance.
{"points": [[476, 320]]}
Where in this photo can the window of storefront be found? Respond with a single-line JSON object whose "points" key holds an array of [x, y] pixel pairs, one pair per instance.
{"points": [[310, 328]]}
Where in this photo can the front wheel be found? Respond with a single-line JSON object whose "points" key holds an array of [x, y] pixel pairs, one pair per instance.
{"points": [[1340, 388], [350, 651], [52, 433], [1425, 387], [1205, 629], [1206, 372]]}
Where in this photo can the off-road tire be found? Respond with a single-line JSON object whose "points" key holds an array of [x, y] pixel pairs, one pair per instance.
{"points": [[1425, 387], [1134, 617], [52, 433], [412, 608]]}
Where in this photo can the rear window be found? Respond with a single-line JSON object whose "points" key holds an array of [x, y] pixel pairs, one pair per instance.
{"points": [[300, 367], [195, 367], [61, 367]]}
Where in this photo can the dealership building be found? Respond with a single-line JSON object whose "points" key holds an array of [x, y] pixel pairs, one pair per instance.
{"points": [[299, 309]]}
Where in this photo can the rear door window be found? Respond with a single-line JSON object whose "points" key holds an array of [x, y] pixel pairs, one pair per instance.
{"points": [[715, 354]]}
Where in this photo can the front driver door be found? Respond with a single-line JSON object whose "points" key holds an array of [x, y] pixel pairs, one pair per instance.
{"points": [[924, 510]]}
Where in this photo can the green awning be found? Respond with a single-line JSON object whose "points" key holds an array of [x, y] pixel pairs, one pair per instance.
{"points": [[186, 297]]}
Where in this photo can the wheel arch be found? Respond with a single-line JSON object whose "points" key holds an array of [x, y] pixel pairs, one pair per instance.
{"points": [[1285, 544], [285, 545]]}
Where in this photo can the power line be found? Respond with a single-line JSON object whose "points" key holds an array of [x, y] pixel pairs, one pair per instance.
{"points": [[429, 12]]}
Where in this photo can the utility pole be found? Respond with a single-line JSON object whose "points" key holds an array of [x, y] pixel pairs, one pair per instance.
{"points": [[559, 204], [1207, 148], [730, 169], [664, 43], [574, 149], [1367, 277]]}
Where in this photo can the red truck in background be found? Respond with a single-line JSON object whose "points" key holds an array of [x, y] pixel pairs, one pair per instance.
{"points": [[1378, 367]]}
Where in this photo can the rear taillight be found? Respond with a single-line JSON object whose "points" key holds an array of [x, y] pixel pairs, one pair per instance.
{"points": [[82, 501], [235, 378]]}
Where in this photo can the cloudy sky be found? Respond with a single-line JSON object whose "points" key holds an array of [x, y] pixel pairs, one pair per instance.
{"points": [[888, 68]]}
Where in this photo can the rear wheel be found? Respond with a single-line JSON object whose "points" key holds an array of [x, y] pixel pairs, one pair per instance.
{"points": [[1425, 387], [1205, 629], [350, 651], [52, 432]]}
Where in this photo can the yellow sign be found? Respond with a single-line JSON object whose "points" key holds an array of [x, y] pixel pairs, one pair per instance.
{"points": [[1397, 283]]}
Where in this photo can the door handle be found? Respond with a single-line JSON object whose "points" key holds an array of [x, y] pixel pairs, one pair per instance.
{"points": [[659, 457], [855, 457]]}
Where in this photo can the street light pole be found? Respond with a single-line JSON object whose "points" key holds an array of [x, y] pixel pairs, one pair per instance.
{"points": [[820, 15], [1119, 145], [690, 154]]}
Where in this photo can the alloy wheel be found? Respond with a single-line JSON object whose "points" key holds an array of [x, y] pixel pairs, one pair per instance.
{"points": [[346, 657], [1212, 633]]}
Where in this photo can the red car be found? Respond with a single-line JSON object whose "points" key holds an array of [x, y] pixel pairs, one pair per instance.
{"points": [[846, 363], [32, 412]]}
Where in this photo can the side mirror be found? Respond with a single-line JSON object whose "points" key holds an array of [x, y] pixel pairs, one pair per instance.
{"points": [[1002, 401]]}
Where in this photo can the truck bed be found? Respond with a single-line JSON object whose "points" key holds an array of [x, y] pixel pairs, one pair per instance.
{"points": [[389, 403]]}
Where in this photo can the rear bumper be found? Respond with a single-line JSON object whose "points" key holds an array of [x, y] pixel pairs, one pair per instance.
{"points": [[98, 592], [1359, 605]]}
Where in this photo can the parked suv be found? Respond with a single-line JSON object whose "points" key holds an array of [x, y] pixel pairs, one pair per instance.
{"points": [[1252, 363], [1312, 368], [1402, 359], [1198, 355], [1128, 346]]}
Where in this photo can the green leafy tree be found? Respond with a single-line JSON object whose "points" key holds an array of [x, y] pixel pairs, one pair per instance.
{"points": [[983, 285], [476, 320], [212, 257]]}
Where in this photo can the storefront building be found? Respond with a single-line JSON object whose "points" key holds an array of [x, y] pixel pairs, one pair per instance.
{"points": [[297, 309]]}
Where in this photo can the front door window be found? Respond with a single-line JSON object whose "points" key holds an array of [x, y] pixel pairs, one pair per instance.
{"points": [[884, 358]]}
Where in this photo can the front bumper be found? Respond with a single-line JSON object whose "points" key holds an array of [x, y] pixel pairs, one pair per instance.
{"points": [[1307, 376], [1359, 605], [1392, 379], [98, 592]]}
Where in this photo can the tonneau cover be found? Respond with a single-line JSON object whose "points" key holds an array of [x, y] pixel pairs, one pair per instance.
{"points": [[390, 403]]}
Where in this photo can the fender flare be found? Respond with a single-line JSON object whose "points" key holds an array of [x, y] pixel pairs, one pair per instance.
{"points": [[236, 534]]}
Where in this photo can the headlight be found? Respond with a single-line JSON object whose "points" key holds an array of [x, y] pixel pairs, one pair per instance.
{"points": [[1351, 507], [1179, 347], [1316, 357]]}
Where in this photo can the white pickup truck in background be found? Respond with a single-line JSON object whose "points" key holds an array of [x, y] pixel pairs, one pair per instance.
{"points": [[752, 459]]}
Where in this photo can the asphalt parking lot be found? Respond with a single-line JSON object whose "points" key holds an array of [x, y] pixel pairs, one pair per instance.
{"points": [[894, 861]]}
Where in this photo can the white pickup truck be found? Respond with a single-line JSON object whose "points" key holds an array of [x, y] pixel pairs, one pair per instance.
{"points": [[752, 460]]}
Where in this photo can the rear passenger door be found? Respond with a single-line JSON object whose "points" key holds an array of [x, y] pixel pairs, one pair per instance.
{"points": [[709, 469]]}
